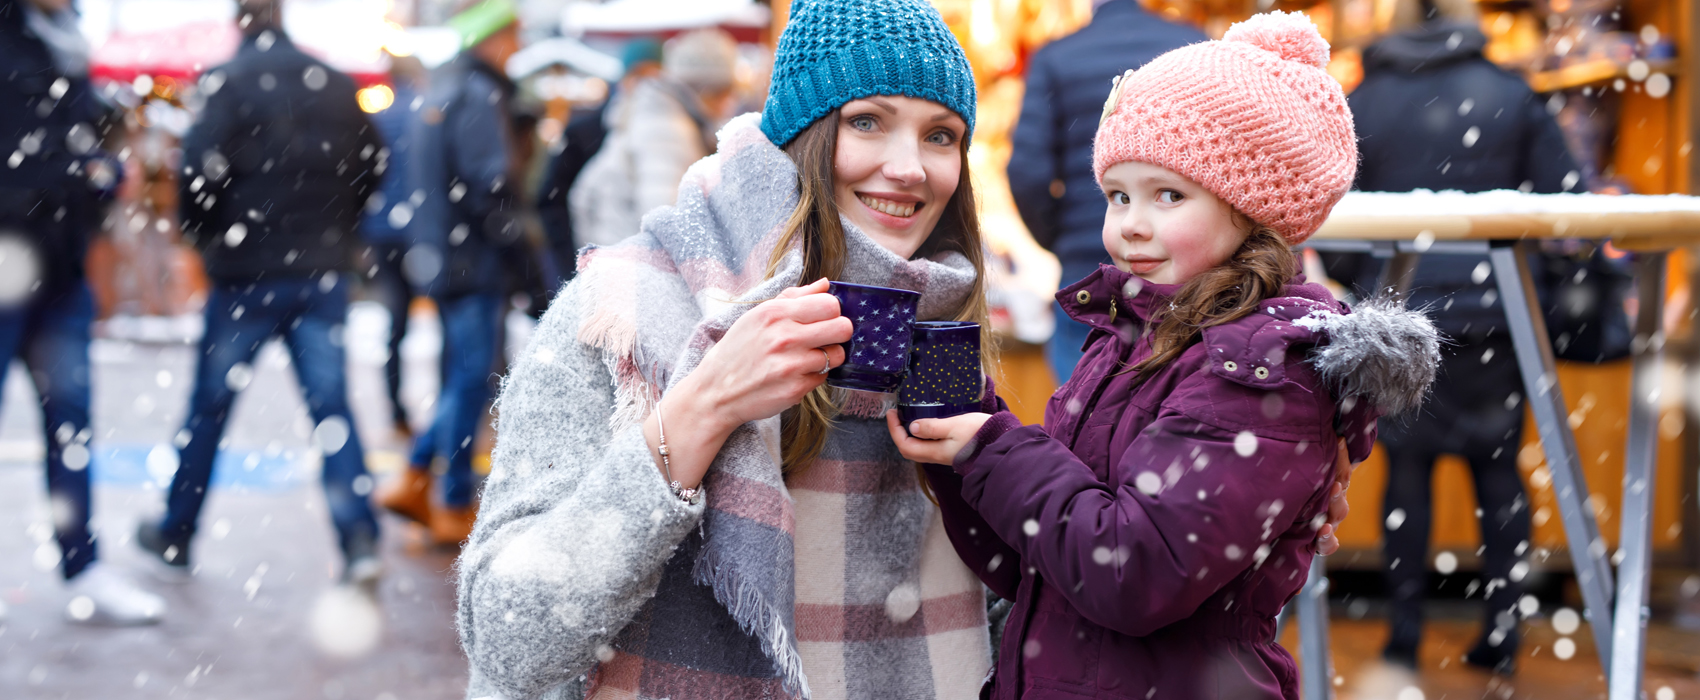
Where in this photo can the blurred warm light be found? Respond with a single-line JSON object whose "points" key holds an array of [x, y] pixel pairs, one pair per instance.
{"points": [[396, 41], [164, 88], [1347, 67], [376, 98]]}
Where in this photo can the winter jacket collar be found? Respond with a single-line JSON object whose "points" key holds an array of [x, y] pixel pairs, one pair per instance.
{"points": [[1429, 46], [1381, 352]]}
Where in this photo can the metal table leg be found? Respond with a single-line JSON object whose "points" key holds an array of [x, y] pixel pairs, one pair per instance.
{"points": [[1629, 622], [1546, 401], [1317, 672], [1311, 605]]}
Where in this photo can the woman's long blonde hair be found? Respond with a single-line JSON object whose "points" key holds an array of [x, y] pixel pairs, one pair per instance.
{"points": [[815, 224]]}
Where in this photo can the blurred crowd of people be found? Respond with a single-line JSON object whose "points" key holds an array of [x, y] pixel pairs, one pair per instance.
{"points": [[297, 200]]}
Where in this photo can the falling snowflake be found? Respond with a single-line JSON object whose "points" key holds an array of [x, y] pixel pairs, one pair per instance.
{"points": [[331, 434], [1148, 483], [346, 623], [1245, 443]]}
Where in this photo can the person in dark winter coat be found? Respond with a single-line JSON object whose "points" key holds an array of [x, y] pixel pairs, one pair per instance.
{"points": [[1433, 113], [461, 163], [276, 172], [1050, 166], [50, 195], [1151, 530], [384, 227]]}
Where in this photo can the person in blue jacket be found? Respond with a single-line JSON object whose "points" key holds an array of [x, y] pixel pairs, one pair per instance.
{"points": [[460, 167], [1050, 167], [384, 227]]}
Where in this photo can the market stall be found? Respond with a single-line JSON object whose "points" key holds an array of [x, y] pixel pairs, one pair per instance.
{"points": [[1505, 225]]}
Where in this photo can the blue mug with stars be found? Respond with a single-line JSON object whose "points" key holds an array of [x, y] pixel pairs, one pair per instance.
{"points": [[944, 377], [877, 355]]}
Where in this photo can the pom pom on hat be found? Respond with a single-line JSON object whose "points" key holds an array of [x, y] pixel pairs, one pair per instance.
{"points": [[1290, 36], [1253, 118]]}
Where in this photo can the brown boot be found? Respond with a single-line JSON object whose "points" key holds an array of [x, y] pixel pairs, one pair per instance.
{"points": [[450, 526], [409, 496]]}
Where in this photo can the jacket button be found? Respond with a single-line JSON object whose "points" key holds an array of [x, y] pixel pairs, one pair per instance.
{"points": [[1083, 297], [1230, 366], [1261, 372]]}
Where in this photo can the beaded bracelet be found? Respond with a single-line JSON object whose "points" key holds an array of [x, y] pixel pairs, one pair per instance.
{"points": [[691, 496]]}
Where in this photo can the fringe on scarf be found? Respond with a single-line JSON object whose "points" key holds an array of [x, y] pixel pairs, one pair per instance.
{"points": [[756, 617]]}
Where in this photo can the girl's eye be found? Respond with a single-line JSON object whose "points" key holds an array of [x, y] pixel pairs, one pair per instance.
{"points": [[862, 123], [1119, 198], [1170, 197]]}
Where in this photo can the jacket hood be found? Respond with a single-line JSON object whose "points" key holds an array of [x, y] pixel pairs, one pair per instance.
{"points": [[1381, 351], [1429, 46]]}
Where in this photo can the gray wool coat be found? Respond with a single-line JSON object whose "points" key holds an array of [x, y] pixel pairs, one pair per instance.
{"points": [[557, 557]]}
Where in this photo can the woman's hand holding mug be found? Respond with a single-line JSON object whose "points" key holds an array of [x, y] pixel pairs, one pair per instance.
{"points": [[769, 359]]}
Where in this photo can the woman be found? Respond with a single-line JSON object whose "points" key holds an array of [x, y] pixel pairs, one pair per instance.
{"points": [[811, 563]]}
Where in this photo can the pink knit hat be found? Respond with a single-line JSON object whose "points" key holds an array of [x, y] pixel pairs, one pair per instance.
{"points": [[1253, 118]]}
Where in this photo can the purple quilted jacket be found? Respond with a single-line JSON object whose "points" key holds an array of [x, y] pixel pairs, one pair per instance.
{"points": [[1150, 531]]}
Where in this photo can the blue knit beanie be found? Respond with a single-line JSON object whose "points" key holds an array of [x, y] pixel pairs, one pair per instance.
{"points": [[835, 51]]}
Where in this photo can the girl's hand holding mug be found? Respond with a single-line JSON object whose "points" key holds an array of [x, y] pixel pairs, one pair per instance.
{"points": [[940, 440], [935, 440]]}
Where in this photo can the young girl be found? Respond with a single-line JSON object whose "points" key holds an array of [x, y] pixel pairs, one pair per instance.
{"points": [[1151, 530]]}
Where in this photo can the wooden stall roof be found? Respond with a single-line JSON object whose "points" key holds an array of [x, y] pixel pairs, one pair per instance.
{"points": [[1632, 222]]}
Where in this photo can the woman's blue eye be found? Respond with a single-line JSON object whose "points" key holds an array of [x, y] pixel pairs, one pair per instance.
{"points": [[1170, 196], [863, 123], [942, 138]]}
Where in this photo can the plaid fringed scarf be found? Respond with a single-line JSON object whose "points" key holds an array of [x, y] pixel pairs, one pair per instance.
{"points": [[840, 584]]}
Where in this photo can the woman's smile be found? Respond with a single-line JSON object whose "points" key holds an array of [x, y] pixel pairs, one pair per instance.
{"points": [[893, 209]]}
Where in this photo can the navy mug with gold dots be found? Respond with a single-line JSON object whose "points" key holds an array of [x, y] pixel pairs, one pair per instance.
{"points": [[944, 372], [878, 352]]}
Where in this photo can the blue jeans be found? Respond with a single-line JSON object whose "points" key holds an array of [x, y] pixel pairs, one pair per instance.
{"points": [[309, 316], [1063, 349], [51, 334], [469, 352]]}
